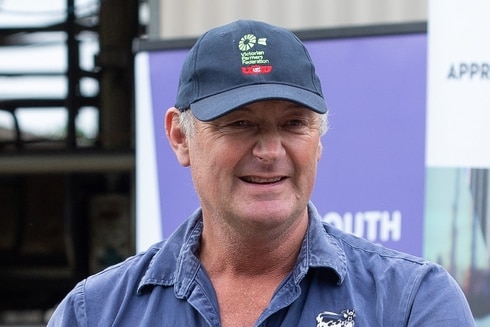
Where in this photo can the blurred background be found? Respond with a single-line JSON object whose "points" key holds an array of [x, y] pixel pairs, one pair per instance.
{"points": [[67, 157]]}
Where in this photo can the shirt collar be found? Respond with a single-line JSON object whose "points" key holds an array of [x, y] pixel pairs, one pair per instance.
{"points": [[176, 263], [320, 250]]}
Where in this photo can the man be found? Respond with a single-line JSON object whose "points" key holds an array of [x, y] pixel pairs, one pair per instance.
{"points": [[247, 122]]}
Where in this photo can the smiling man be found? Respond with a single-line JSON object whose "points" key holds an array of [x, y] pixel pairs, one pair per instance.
{"points": [[248, 122]]}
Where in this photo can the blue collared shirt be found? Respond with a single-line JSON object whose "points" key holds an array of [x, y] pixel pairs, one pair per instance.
{"points": [[338, 280]]}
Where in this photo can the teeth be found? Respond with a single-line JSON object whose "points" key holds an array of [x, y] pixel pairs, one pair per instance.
{"points": [[259, 180]]}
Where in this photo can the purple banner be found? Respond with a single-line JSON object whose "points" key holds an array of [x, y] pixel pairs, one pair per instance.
{"points": [[371, 176]]}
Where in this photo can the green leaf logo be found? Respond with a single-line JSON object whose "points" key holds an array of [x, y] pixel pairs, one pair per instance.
{"points": [[247, 42]]}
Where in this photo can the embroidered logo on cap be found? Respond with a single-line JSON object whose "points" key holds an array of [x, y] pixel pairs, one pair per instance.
{"points": [[332, 319], [253, 61]]}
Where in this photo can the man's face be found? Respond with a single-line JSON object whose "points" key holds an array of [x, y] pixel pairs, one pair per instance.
{"points": [[256, 166]]}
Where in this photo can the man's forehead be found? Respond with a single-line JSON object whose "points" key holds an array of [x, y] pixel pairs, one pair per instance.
{"points": [[272, 106]]}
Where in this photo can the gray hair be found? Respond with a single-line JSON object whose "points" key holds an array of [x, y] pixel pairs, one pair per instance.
{"points": [[324, 125], [187, 119]]}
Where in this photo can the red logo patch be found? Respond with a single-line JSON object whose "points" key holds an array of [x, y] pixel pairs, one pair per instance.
{"points": [[256, 69]]}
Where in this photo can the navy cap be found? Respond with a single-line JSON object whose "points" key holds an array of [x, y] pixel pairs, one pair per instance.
{"points": [[244, 62]]}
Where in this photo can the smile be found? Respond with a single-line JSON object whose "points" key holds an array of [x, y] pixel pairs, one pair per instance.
{"points": [[261, 180]]}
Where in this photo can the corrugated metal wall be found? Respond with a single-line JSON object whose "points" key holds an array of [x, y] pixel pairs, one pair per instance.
{"points": [[189, 18]]}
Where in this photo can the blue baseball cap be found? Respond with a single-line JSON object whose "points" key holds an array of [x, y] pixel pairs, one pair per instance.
{"points": [[244, 62]]}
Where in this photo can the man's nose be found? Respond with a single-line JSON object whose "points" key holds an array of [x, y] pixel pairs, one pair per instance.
{"points": [[269, 146]]}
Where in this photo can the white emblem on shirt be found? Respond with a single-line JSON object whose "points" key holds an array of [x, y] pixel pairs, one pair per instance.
{"points": [[332, 319]]}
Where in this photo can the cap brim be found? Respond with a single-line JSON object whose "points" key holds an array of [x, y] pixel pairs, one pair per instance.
{"points": [[220, 104]]}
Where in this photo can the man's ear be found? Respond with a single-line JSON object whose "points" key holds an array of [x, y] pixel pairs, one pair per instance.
{"points": [[319, 151], [176, 136]]}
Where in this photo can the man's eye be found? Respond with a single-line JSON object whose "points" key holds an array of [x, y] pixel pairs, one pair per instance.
{"points": [[296, 122], [240, 123]]}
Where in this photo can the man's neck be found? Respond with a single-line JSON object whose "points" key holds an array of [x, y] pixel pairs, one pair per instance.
{"points": [[246, 269], [239, 253]]}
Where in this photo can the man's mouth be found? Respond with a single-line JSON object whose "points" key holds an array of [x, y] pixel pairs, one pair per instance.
{"points": [[262, 180]]}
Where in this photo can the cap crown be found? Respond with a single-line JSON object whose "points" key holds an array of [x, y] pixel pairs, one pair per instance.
{"points": [[243, 62]]}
